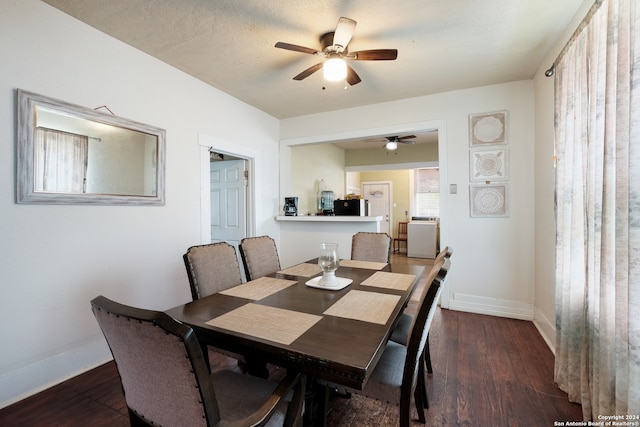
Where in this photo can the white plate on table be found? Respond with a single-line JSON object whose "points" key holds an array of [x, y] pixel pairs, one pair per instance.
{"points": [[341, 283]]}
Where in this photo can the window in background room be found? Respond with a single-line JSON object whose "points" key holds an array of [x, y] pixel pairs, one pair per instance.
{"points": [[427, 192]]}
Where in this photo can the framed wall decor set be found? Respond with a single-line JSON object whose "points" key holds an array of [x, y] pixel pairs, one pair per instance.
{"points": [[488, 164]]}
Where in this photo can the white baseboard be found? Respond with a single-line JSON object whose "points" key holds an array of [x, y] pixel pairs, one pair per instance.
{"points": [[546, 329], [492, 306], [36, 377]]}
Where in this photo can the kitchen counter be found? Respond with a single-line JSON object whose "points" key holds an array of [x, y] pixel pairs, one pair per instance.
{"points": [[301, 236], [328, 218]]}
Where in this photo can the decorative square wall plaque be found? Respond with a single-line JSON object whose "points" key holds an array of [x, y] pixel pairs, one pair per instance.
{"points": [[488, 164], [488, 200], [488, 128]]}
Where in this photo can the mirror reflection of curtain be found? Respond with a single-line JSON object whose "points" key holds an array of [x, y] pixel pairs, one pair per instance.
{"points": [[597, 107], [60, 164]]}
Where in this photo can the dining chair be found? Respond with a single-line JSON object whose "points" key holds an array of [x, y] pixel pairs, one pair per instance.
{"points": [[401, 236], [259, 256], [375, 247], [211, 268], [402, 330], [399, 374], [166, 381], [446, 252]]}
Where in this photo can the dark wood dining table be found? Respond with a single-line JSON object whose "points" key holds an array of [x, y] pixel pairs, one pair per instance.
{"points": [[330, 346]]}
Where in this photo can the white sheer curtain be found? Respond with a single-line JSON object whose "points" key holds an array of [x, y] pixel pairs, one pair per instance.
{"points": [[60, 163], [427, 192], [597, 106]]}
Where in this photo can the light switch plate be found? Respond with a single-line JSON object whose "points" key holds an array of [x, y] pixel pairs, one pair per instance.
{"points": [[453, 188]]}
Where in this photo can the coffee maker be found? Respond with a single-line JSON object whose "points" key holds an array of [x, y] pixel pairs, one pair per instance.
{"points": [[290, 206]]}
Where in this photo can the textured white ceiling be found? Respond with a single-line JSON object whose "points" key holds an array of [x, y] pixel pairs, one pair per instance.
{"points": [[442, 44]]}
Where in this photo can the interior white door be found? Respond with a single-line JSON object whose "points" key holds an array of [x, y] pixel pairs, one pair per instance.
{"points": [[228, 201], [379, 196]]}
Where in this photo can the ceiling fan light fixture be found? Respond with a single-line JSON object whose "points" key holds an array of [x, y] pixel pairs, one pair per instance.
{"points": [[334, 69], [391, 145]]}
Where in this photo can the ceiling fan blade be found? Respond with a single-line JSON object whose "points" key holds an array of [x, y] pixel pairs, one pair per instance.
{"points": [[401, 139], [344, 32], [352, 76], [374, 55], [306, 73], [296, 48]]}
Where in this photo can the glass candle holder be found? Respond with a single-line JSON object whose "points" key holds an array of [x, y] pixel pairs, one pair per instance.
{"points": [[328, 261]]}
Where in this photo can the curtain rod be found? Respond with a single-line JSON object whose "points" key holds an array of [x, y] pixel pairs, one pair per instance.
{"points": [[596, 5]]}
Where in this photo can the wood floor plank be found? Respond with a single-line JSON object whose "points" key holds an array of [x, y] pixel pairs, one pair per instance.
{"points": [[442, 385]]}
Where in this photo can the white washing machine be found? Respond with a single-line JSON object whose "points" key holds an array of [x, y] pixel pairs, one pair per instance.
{"points": [[422, 239]]}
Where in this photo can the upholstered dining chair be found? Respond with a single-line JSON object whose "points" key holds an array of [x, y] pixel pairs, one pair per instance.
{"points": [[401, 236], [399, 374], [166, 381], [259, 256], [211, 268], [375, 247]]}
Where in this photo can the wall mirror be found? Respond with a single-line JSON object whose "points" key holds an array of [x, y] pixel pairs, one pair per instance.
{"points": [[67, 154]]}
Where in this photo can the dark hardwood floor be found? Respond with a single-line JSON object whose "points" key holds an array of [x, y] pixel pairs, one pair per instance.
{"points": [[488, 371]]}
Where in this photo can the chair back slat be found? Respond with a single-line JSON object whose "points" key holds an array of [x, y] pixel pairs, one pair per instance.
{"points": [[402, 229]]}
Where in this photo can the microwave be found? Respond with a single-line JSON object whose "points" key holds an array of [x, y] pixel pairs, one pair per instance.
{"points": [[353, 207]]}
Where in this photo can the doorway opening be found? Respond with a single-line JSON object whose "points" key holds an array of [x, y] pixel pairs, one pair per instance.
{"points": [[380, 197], [228, 182], [221, 164]]}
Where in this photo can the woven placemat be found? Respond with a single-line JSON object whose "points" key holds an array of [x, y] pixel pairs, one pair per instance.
{"points": [[363, 264], [305, 269], [269, 323], [372, 307], [384, 279], [259, 288]]}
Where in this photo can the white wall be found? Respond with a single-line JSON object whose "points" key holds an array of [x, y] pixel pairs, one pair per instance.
{"points": [[55, 259], [312, 163], [493, 261]]}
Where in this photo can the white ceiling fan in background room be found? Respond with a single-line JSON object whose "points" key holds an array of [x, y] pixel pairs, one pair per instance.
{"points": [[334, 50]]}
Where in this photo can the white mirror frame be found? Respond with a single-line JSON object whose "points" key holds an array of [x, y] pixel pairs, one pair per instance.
{"points": [[27, 103]]}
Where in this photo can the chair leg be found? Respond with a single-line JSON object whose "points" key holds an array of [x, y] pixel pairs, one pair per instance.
{"points": [[293, 417], [422, 383], [405, 407], [419, 397]]}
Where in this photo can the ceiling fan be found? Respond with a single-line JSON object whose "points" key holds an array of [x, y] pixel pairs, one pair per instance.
{"points": [[334, 50], [393, 141]]}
